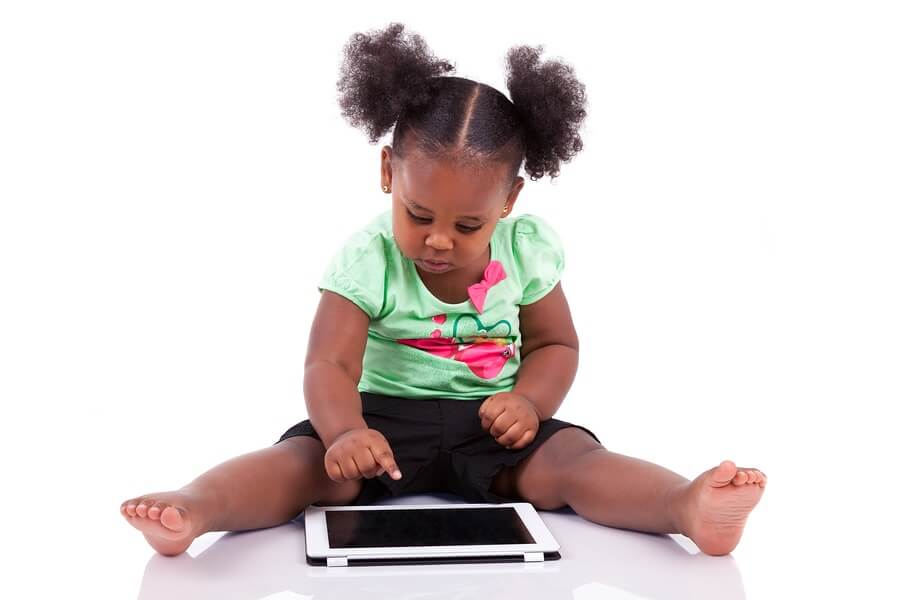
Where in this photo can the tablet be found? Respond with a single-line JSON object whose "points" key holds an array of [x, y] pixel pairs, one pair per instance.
{"points": [[342, 536]]}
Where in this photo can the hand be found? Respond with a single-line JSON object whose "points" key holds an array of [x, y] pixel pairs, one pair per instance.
{"points": [[357, 453], [511, 418]]}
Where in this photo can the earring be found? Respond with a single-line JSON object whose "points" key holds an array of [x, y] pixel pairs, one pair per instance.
{"points": [[505, 208], [386, 189]]}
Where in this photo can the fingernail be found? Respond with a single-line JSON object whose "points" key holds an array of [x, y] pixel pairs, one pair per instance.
{"points": [[396, 475]]}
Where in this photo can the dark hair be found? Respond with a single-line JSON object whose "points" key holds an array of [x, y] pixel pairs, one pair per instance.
{"points": [[389, 78]]}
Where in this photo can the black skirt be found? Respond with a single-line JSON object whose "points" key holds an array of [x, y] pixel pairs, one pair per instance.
{"points": [[439, 446]]}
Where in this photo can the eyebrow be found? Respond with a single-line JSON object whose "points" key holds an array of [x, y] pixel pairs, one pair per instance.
{"points": [[420, 207]]}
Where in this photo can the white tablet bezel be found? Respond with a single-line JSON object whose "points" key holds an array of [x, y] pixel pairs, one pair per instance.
{"points": [[317, 537]]}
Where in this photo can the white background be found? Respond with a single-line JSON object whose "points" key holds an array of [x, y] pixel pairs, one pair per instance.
{"points": [[175, 175]]}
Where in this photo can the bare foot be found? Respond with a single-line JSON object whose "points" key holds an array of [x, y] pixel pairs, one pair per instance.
{"points": [[169, 520], [717, 504]]}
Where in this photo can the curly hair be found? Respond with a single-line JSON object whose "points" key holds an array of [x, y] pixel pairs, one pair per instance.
{"points": [[389, 79]]}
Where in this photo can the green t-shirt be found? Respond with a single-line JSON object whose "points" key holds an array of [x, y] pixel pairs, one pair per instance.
{"points": [[421, 347]]}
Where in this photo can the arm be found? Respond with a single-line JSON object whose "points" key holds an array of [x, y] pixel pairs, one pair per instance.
{"points": [[337, 342], [549, 352]]}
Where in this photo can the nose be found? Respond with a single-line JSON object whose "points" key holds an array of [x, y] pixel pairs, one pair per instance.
{"points": [[439, 241]]}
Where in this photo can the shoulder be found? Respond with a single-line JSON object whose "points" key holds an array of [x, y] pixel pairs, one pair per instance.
{"points": [[528, 224], [537, 253], [357, 270], [531, 232]]}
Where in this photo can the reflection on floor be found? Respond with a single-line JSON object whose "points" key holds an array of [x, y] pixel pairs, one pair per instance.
{"points": [[597, 562]]}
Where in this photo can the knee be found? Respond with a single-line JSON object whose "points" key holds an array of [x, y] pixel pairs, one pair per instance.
{"points": [[308, 456], [543, 491], [542, 479], [549, 502], [340, 494], [579, 468]]}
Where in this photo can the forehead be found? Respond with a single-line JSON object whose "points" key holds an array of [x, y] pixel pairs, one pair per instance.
{"points": [[452, 186]]}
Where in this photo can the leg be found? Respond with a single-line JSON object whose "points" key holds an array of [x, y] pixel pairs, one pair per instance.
{"points": [[259, 489], [571, 469]]}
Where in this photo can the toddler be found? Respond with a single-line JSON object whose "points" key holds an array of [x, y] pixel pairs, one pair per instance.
{"points": [[443, 345]]}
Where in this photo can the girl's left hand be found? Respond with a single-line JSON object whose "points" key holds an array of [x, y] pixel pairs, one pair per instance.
{"points": [[511, 418]]}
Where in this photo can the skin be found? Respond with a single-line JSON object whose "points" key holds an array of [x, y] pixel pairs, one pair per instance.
{"points": [[447, 210]]}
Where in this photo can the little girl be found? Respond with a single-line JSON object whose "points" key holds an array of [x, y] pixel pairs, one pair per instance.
{"points": [[443, 344]]}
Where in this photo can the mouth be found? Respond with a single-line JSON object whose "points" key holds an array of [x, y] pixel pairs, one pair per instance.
{"points": [[435, 266]]}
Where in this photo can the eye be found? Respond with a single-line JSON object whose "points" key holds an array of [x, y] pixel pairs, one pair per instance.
{"points": [[426, 220], [418, 219]]}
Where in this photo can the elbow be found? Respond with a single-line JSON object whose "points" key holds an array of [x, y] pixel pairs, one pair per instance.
{"points": [[315, 367], [573, 342], [570, 341]]}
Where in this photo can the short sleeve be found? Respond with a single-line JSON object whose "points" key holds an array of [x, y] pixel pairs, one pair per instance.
{"points": [[357, 272], [539, 255]]}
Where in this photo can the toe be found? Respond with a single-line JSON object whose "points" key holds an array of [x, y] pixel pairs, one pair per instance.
{"points": [[154, 511], [172, 518], [131, 508], [752, 476], [723, 474], [141, 509], [741, 478]]}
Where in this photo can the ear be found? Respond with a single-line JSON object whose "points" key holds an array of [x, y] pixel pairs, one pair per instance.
{"points": [[386, 169], [518, 182]]}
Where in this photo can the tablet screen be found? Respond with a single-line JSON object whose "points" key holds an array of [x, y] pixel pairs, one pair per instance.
{"points": [[425, 527]]}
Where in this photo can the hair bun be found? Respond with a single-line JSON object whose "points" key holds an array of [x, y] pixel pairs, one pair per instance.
{"points": [[383, 73], [551, 103]]}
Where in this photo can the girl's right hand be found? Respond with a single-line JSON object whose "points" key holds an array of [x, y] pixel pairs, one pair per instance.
{"points": [[360, 453]]}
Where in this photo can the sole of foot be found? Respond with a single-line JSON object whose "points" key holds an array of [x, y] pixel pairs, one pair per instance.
{"points": [[717, 504], [168, 520]]}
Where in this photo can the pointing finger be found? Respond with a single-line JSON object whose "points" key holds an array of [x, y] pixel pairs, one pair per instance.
{"points": [[381, 469], [386, 459]]}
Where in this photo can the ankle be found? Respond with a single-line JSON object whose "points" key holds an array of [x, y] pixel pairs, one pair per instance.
{"points": [[206, 507], [677, 505]]}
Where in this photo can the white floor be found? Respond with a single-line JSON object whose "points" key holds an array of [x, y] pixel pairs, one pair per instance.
{"points": [[783, 554], [825, 528], [596, 562]]}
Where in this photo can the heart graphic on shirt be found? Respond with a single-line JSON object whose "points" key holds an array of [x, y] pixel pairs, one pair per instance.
{"points": [[483, 329]]}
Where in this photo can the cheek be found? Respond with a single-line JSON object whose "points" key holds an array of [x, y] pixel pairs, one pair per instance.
{"points": [[406, 242], [471, 248], [398, 230]]}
